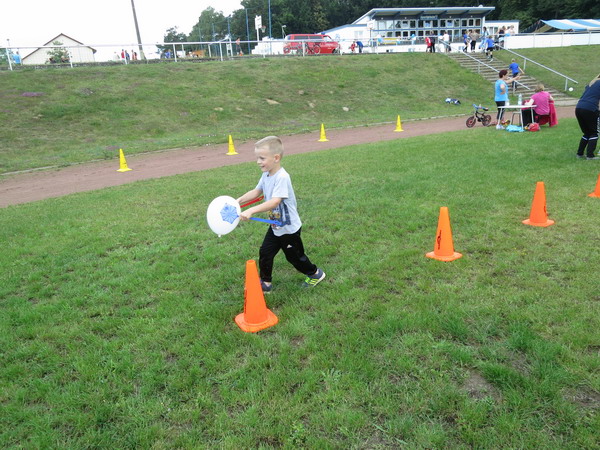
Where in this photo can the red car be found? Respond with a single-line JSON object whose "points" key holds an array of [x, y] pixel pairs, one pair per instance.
{"points": [[313, 44]]}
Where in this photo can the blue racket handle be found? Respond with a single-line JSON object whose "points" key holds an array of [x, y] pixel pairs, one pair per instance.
{"points": [[274, 222]]}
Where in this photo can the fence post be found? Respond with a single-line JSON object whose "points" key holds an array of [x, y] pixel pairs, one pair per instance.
{"points": [[8, 59], [174, 53]]}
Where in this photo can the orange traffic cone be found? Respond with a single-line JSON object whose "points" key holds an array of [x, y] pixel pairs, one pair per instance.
{"points": [[256, 315], [323, 137], [538, 217], [443, 249], [398, 125], [596, 192]]}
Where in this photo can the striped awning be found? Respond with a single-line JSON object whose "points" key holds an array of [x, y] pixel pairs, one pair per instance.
{"points": [[574, 24]]}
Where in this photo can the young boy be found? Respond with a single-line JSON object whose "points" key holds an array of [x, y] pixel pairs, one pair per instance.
{"points": [[516, 73], [489, 48], [275, 184]]}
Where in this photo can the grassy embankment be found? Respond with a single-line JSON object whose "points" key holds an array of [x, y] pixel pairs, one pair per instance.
{"points": [[85, 114]]}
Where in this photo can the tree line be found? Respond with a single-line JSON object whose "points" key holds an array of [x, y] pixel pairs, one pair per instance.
{"points": [[312, 16]]}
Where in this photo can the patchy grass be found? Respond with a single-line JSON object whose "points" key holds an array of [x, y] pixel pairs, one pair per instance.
{"points": [[117, 307]]}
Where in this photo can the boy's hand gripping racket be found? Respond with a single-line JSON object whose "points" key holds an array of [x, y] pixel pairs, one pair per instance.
{"points": [[223, 215]]}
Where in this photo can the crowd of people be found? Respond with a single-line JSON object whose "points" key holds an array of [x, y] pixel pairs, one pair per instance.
{"points": [[472, 40], [125, 56]]}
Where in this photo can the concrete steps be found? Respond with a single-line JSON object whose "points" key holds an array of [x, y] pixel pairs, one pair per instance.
{"points": [[479, 63]]}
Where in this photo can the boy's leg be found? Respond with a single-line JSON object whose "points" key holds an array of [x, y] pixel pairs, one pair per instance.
{"points": [[269, 248], [292, 247]]}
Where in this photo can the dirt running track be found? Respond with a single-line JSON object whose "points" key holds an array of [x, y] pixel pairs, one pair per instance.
{"points": [[38, 185]]}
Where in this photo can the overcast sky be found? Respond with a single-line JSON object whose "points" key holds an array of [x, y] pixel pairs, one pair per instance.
{"points": [[30, 23]]}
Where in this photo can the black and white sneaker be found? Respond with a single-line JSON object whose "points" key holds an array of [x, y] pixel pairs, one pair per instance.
{"points": [[266, 287], [313, 280]]}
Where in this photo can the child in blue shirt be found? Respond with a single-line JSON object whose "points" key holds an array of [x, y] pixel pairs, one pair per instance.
{"points": [[516, 72], [280, 201], [489, 47]]}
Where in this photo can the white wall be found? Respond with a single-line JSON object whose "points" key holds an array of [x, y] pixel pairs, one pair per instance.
{"points": [[544, 40]]}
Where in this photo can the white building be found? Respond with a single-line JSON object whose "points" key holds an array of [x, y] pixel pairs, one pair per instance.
{"points": [[391, 29], [78, 52]]}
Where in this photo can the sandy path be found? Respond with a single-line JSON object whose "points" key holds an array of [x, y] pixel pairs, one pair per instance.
{"points": [[28, 187]]}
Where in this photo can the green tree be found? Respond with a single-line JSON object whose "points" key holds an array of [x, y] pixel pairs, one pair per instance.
{"points": [[172, 35], [211, 26], [57, 54]]}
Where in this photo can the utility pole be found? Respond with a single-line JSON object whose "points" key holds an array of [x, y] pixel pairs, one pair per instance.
{"points": [[137, 31], [270, 30]]}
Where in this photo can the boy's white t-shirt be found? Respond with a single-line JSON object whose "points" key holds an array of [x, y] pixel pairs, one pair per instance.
{"points": [[280, 185]]}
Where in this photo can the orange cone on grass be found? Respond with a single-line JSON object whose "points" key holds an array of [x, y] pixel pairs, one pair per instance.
{"points": [[398, 125], [122, 162], [256, 315], [231, 150], [323, 136], [596, 192], [443, 248], [538, 217]]}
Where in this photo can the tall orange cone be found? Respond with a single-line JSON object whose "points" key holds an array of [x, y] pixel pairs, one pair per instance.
{"points": [[122, 162], [231, 150], [256, 315], [443, 248], [538, 217], [398, 125], [596, 192], [323, 137]]}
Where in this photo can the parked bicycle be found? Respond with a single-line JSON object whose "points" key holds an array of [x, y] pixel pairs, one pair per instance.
{"points": [[479, 116]]}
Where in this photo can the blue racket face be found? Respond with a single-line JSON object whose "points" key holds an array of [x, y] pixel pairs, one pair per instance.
{"points": [[223, 215]]}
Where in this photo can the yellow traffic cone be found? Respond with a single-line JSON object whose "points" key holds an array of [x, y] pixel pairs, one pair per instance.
{"points": [[398, 125], [323, 137], [122, 162], [231, 147]]}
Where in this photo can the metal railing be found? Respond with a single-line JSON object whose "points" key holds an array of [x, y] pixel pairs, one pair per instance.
{"points": [[481, 63], [525, 59]]}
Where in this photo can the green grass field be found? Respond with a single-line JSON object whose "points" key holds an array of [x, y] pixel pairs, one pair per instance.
{"points": [[86, 114], [117, 307]]}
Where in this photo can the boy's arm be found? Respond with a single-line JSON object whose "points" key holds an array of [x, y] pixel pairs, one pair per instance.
{"points": [[263, 207], [249, 196]]}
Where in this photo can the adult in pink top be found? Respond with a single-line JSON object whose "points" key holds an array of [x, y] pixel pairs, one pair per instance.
{"points": [[541, 99]]}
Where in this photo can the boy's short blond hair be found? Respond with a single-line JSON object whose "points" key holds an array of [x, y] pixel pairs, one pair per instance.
{"points": [[272, 143]]}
